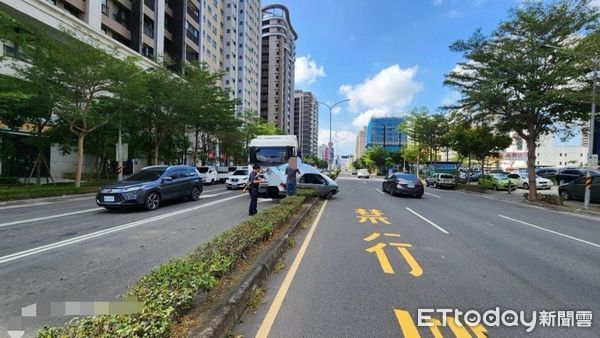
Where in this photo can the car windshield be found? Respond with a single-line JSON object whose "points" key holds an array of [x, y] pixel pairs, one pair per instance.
{"points": [[407, 177], [240, 173], [203, 170], [500, 176], [446, 176], [147, 175]]}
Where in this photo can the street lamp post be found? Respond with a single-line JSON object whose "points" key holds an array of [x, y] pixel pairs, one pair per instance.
{"points": [[588, 173], [330, 144]]}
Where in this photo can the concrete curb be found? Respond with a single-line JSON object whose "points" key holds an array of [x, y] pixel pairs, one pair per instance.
{"points": [[233, 305]]}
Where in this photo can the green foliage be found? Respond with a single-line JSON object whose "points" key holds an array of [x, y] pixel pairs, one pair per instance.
{"points": [[314, 160], [168, 290], [513, 79]]}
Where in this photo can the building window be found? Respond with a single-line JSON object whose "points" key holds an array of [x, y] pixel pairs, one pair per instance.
{"points": [[105, 7], [120, 14], [147, 51], [148, 27], [149, 4], [193, 11]]}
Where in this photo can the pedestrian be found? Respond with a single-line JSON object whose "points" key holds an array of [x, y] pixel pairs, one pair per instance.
{"points": [[290, 172], [253, 182]]}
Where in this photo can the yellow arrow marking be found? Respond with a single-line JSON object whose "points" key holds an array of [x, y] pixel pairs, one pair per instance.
{"points": [[459, 331]]}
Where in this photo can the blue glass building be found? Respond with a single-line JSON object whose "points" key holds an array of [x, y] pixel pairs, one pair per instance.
{"points": [[383, 131]]}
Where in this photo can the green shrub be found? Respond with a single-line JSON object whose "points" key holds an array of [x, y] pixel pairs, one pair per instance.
{"points": [[168, 290]]}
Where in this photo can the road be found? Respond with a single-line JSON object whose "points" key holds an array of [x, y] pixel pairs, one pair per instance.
{"points": [[448, 250], [71, 250]]}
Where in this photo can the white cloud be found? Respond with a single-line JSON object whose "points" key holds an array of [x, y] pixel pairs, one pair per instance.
{"points": [[450, 98], [343, 140], [307, 71], [362, 120], [437, 2], [393, 89], [595, 3]]}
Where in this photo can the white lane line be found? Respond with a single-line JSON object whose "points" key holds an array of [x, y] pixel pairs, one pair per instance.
{"points": [[44, 218], [428, 221], [265, 200], [40, 249], [49, 217], [379, 191], [267, 323], [24, 205], [434, 195], [551, 231]]}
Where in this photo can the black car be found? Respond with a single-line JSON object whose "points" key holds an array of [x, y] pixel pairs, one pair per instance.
{"points": [[575, 190], [151, 186], [568, 175], [549, 173], [403, 184]]}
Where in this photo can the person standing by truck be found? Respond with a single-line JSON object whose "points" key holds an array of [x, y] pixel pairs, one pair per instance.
{"points": [[253, 182], [290, 173]]}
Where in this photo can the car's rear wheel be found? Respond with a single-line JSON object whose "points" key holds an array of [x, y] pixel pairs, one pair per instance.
{"points": [[383, 187], [435, 185], [393, 191], [195, 193], [152, 200], [419, 196], [565, 195], [494, 187], [426, 183], [329, 195], [525, 186]]}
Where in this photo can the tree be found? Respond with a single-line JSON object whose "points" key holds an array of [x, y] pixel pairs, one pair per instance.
{"points": [[485, 143], [511, 78], [314, 160]]}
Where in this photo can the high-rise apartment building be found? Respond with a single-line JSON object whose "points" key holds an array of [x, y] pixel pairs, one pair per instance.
{"points": [[224, 34], [278, 55], [306, 121], [361, 143]]}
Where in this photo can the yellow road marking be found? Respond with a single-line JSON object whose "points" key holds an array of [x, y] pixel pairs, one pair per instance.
{"points": [[435, 328], [267, 323], [415, 268], [460, 331], [371, 237], [383, 261], [479, 331], [409, 330]]}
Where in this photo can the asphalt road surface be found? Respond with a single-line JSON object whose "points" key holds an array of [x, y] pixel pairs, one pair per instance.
{"points": [[354, 275], [71, 250]]}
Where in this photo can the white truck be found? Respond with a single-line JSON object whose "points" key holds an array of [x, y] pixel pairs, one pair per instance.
{"points": [[271, 153]]}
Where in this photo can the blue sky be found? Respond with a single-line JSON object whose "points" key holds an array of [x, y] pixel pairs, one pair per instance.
{"points": [[388, 56]]}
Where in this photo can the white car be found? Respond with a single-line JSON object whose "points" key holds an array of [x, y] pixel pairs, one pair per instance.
{"points": [[363, 173], [238, 179], [522, 181], [209, 174]]}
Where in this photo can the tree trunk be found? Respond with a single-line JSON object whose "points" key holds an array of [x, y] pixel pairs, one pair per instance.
{"points": [[418, 155], [196, 140], [155, 153], [79, 166], [531, 167]]}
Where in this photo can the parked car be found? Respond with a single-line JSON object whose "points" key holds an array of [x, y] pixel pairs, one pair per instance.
{"points": [[209, 174], [567, 175], [522, 181], [151, 186], [403, 184], [441, 180], [322, 184], [498, 171], [549, 173], [238, 179], [496, 182], [575, 190], [363, 173], [354, 171], [223, 173]]}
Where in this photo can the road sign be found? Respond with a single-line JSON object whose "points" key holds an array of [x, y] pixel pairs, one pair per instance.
{"points": [[330, 144], [592, 162], [124, 151]]}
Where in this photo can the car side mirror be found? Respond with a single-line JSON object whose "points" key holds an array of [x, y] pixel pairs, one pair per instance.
{"points": [[167, 179]]}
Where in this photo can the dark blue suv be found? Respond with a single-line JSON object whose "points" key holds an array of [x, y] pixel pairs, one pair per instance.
{"points": [[151, 186]]}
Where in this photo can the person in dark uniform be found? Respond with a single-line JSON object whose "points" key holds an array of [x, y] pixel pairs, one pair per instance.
{"points": [[253, 182]]}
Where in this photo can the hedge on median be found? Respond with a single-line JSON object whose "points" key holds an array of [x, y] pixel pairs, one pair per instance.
{"points": [[550, 199], [168, 290]]}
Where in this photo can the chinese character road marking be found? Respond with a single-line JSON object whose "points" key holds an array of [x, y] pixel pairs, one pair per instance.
{"points": [[374, 216], [415, 268], [409, 329]]}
